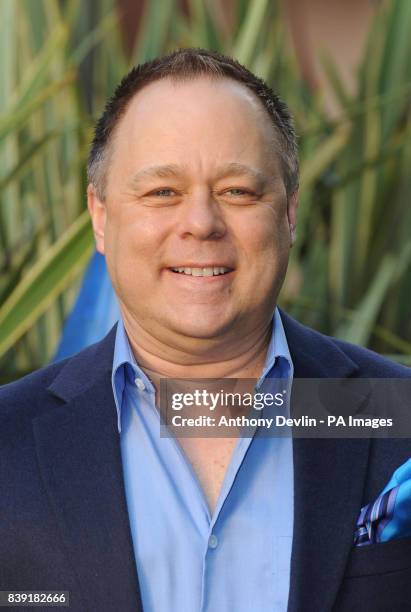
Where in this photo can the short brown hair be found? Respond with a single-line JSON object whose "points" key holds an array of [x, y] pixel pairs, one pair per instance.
{"points": [[181, 65]]}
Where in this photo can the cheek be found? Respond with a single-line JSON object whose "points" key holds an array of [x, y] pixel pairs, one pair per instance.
{"points": [[133, 246], [266, 239], [134, 234]]}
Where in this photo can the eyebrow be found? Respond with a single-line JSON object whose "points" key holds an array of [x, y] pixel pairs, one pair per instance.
{"points": [[175, 171], [237, 169]]}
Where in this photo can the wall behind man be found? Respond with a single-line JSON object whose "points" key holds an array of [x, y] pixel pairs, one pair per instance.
{"points": [[350, 272]]}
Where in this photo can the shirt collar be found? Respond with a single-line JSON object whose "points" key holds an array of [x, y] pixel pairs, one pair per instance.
{"points": [[126, 369], [278, 348]]}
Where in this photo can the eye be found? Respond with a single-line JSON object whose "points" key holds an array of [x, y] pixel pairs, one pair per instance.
{"points": [[162, 193], [238, 191]]}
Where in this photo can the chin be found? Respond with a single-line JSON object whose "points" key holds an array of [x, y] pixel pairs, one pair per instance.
{"points": [[201, 325]]}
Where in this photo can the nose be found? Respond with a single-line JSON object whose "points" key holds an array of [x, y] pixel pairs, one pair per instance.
{"points": [[201, 217]]}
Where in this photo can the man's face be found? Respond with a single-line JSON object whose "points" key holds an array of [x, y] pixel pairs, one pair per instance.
{"points": [[194, 183]]}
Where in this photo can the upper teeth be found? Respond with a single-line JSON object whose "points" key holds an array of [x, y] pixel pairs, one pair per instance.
{"points": [[202, 271]]}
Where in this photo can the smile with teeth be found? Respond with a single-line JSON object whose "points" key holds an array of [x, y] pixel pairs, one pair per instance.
{"points": [[215, 271]]}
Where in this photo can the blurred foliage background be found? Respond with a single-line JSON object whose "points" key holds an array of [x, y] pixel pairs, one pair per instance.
{"points": [[350, 271]]}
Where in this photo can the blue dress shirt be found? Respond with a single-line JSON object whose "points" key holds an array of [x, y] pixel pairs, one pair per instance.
{"points": [[238, 559]]}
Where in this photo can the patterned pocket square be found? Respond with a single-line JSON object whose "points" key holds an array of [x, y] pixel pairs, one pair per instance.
{"points": [[389, 516]]}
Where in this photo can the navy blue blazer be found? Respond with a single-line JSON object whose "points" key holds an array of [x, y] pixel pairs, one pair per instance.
{"points": [[63, 515]]}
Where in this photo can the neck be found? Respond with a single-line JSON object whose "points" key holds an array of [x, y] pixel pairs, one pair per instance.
{"points": [[243, 358]]}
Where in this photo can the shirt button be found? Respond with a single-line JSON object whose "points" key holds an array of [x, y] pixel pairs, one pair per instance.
{"points": [[139, 384], [213, 541]]}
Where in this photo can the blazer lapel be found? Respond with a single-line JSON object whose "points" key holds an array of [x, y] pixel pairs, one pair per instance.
{"points": [[80, 462], [329, 476]]}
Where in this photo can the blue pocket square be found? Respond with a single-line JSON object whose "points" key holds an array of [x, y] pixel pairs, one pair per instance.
{"points": [[389, 516]]}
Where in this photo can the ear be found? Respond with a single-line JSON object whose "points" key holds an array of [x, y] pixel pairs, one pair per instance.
{"points": [[98, 214], [292, 207]]}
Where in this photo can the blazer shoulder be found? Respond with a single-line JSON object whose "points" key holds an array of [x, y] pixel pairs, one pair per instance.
{"points": [[26, 389], [372, 364], [21, 401], [36, 392], [316, 354]]}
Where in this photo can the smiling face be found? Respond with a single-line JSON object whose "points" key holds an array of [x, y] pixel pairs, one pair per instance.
{"points": [[194, 183]]}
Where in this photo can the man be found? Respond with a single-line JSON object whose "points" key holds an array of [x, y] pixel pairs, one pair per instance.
{"points": [[193, 199]]}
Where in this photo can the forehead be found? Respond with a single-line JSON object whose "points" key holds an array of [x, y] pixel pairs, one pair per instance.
{"points": [[204, 92], [204, 121], [202, 98]]}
